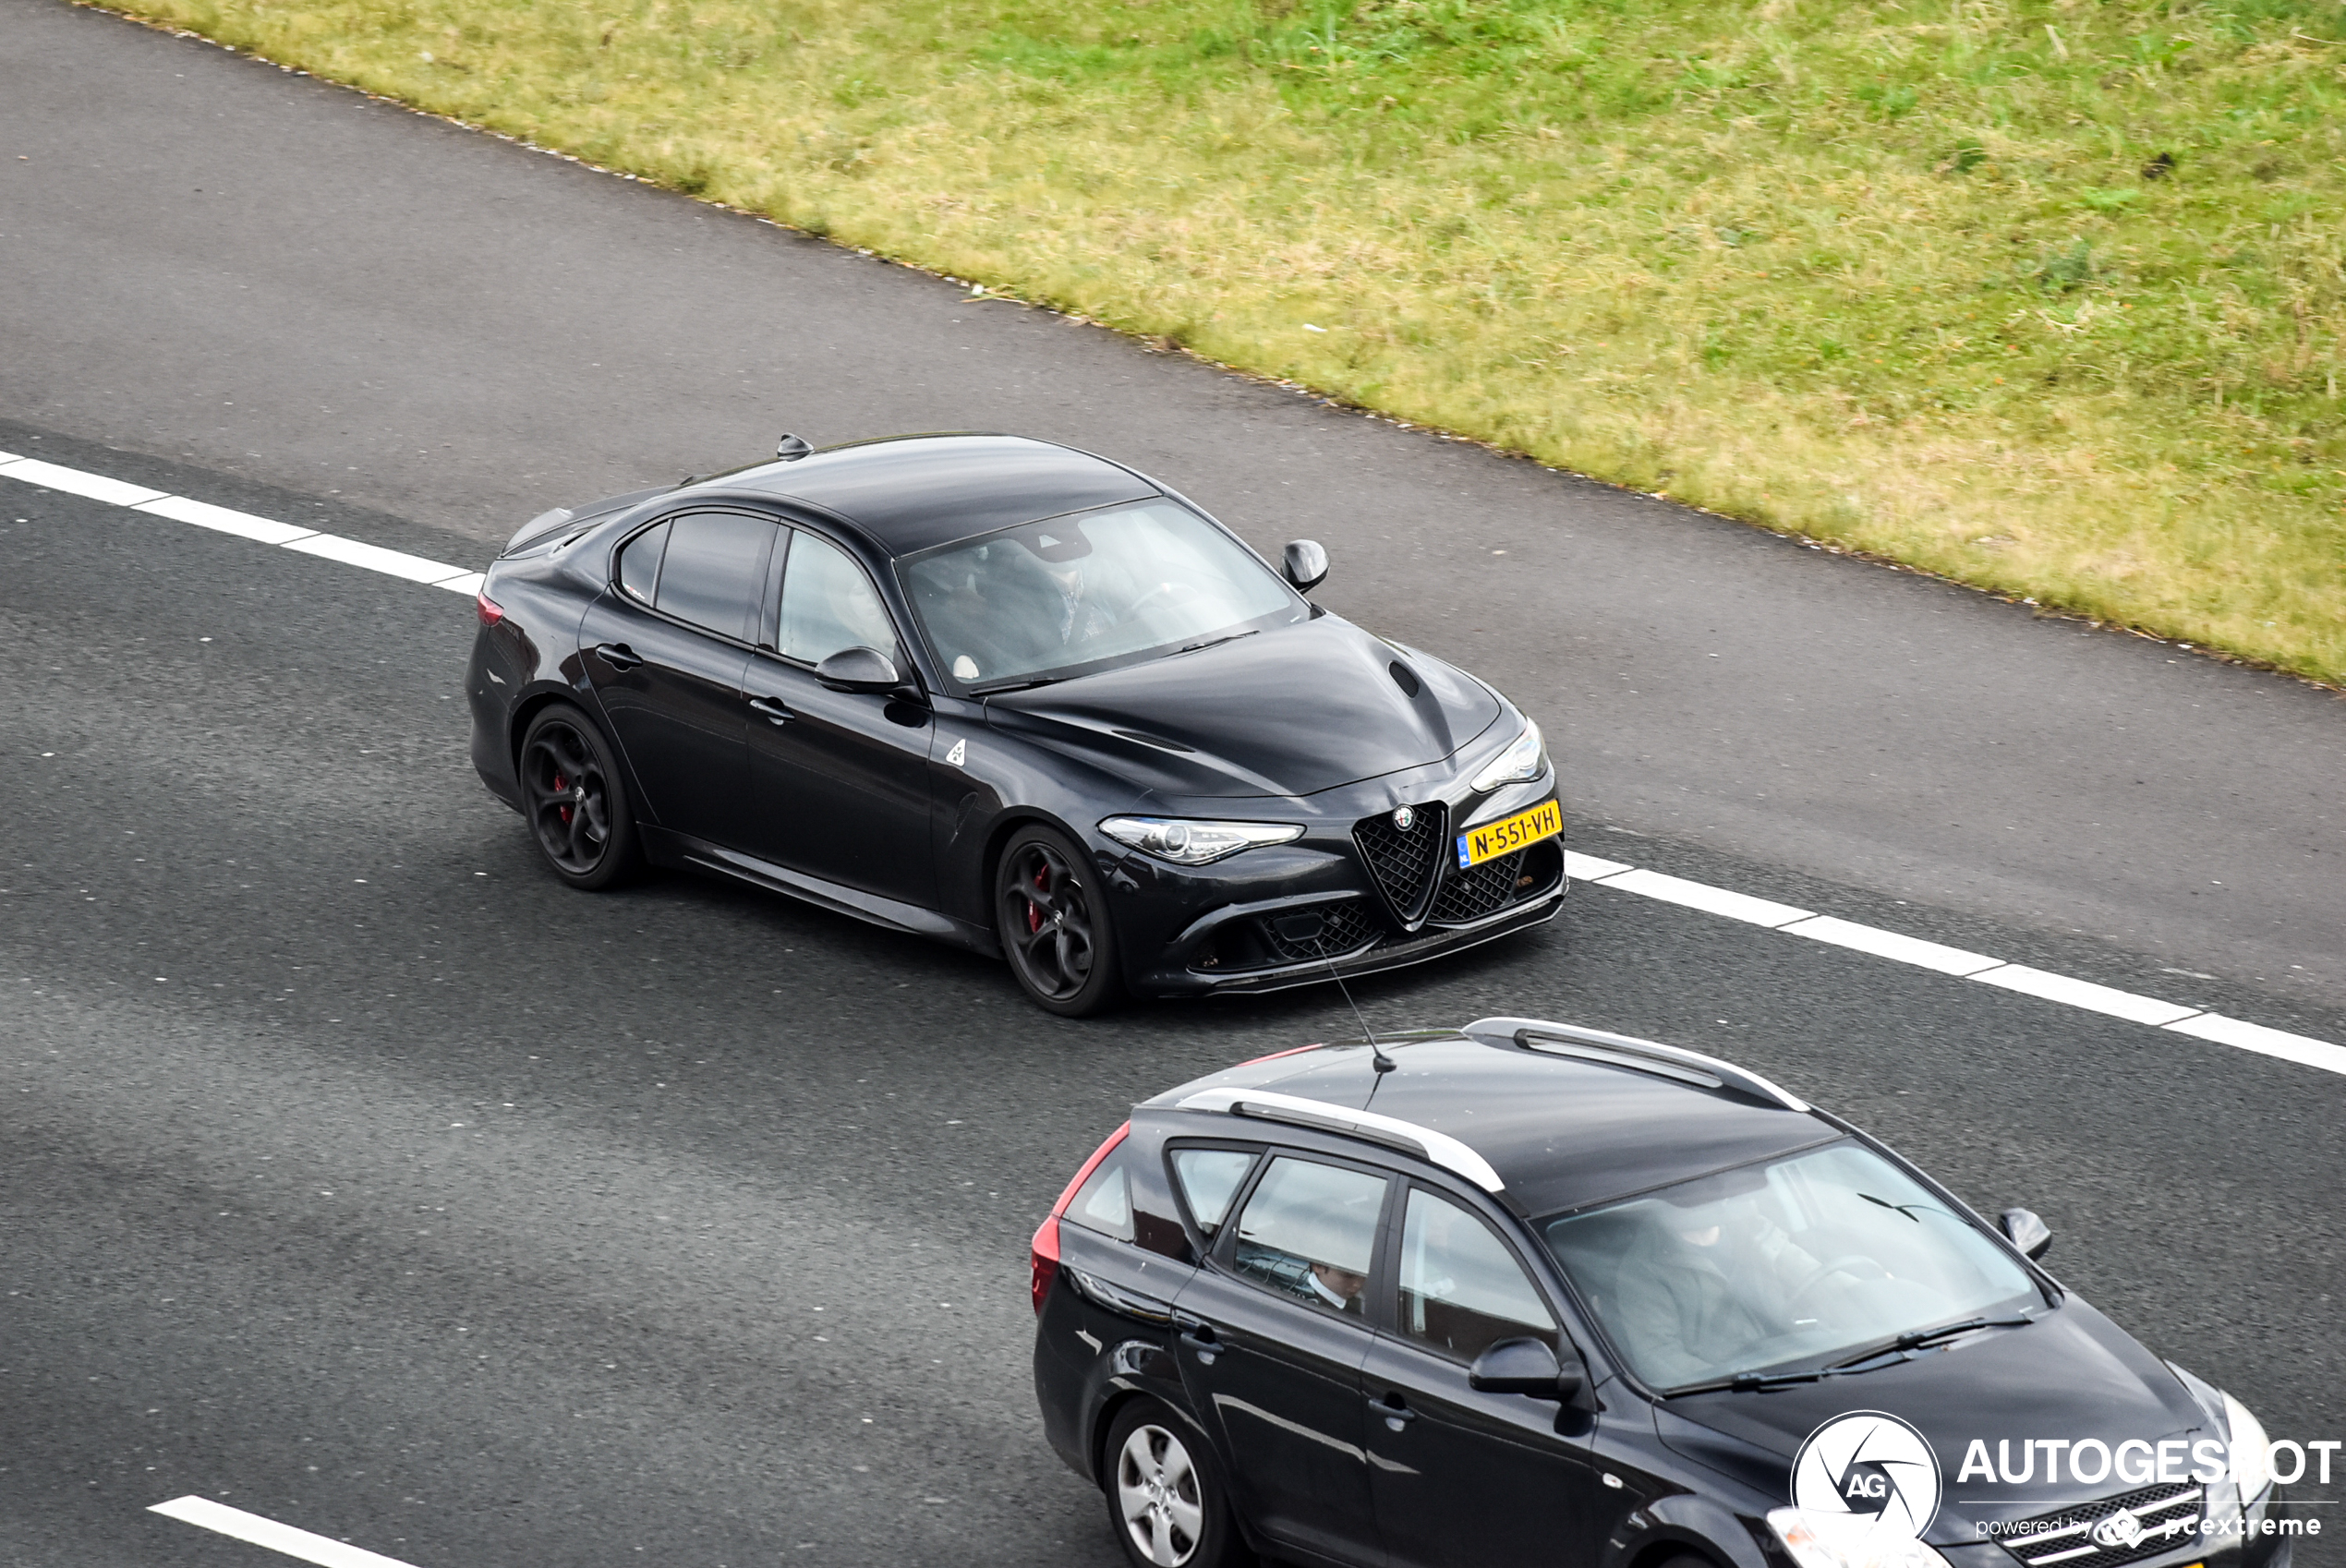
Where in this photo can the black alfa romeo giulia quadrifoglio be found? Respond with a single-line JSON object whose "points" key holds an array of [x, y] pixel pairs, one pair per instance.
{"points": [[1010, 695]]}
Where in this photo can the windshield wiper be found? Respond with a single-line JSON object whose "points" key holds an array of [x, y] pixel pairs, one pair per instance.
{"points": [[1749, 1382], [1917, 1338], [1016, 685], [1753, 1382], [1217, 642]]}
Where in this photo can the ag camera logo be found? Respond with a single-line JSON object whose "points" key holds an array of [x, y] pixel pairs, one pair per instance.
{"points": [[1873, 1465]]}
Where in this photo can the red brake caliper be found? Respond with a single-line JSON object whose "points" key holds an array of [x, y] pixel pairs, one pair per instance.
{"points": [[559, 785], [1033, 910]]}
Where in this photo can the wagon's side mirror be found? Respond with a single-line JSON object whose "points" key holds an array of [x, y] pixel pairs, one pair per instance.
{"points": [[1304, 563], [2025, 1230], [1517, 1366], [859, 670]]}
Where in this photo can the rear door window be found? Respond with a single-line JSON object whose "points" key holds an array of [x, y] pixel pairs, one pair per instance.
{"points": [[715, 570], [1309, 1231], [1209, 1179], [639, 561]]}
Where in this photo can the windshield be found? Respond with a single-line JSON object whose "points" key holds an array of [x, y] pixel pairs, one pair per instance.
{"points": [[1073, 594], [1787, 1265]]}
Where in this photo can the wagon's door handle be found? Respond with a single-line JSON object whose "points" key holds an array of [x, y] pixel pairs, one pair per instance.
{"points": [[775, 712], [619, 656], [1198, 1334], [1394, 1409]]}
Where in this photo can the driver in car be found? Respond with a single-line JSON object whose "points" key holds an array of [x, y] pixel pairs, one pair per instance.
{"points": [[1719, 1279], [1079, 619]]}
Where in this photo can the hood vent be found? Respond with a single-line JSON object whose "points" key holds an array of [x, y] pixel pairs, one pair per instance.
{"points": [[1159, 742]]}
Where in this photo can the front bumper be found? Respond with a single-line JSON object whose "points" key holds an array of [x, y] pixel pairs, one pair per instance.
{"points": [[1271, 918]]}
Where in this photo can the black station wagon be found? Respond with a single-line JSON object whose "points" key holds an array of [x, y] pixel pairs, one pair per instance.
{"points": [[1528, 1292]]}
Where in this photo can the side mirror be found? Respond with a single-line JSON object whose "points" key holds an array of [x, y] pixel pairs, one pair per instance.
{"points": [[1304, 563], [2025, 1230], [1523, 1365], [859, 670]]}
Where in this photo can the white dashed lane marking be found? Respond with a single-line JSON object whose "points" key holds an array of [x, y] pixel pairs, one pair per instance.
{"points": [[1905, 949], [1891, 944], [244, 1527], [243, 525]]}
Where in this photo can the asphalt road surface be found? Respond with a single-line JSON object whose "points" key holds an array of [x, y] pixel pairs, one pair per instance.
{"points": [[355, 1173]]}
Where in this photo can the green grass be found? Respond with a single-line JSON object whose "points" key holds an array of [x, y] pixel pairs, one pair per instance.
{"points": [[2047, 296]]}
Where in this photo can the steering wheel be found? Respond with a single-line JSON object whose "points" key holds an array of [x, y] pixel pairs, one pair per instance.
{"points": [[1850, 1262], [1171, 593]]}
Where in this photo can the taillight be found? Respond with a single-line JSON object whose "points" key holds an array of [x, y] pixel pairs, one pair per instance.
{"points": [[1044, 1254], [489, 609], [1043, 1260]]}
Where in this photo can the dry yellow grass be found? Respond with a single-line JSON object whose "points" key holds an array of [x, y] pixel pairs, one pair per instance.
{"points": [[2046, 297]]}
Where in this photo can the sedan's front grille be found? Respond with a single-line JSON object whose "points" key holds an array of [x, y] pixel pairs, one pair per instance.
{"points": [[2088, 1535], [1322, 931], [1476, 891], [1404, 862]]}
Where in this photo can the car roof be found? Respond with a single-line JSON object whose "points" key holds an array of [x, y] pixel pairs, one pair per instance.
{"points": [[1558, 1133], [911, 493]]}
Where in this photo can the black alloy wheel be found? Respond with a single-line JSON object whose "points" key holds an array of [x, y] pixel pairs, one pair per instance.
{"points": [[576, 801], [1164, 1497], [1052, 923]]}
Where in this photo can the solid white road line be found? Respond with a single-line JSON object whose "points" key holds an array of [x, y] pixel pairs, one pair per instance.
{"points": [[2084, 994], [1703, 896], [252, 1527], [1889, 945], [2271, 1042], [244, 524], [1905, 949], [374, 558], [73, 481]]}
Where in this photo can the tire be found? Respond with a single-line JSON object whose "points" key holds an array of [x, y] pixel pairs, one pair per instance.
{"points": [[1165, 1501], [1053, 924], [574, 798]]}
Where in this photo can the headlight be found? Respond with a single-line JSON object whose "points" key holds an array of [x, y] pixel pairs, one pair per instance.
{"points": [[1527, 758], [1847, 1540], [2252, 1453], [1194, 843]]}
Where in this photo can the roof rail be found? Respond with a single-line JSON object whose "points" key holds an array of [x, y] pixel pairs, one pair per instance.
{"points": [[1437, 1148], [1626, 1051]]}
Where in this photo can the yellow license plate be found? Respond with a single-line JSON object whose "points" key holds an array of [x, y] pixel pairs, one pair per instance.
{"points": [[1509, 834]]}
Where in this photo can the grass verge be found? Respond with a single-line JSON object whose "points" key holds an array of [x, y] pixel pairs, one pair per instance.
{"points": [[2045, 296]]}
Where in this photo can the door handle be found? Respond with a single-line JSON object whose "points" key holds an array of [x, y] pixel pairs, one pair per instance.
{"points": [[1394, 1409], [619, 656], [1198, 1334], [775, 712]]}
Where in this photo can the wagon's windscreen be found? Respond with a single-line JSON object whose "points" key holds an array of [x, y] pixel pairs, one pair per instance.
{"points": [[1081, 593], [1789, 1265]]}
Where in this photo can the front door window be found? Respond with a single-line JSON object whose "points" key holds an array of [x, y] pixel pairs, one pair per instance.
{"points": [[1461, 1290], [1309, 1232]]}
